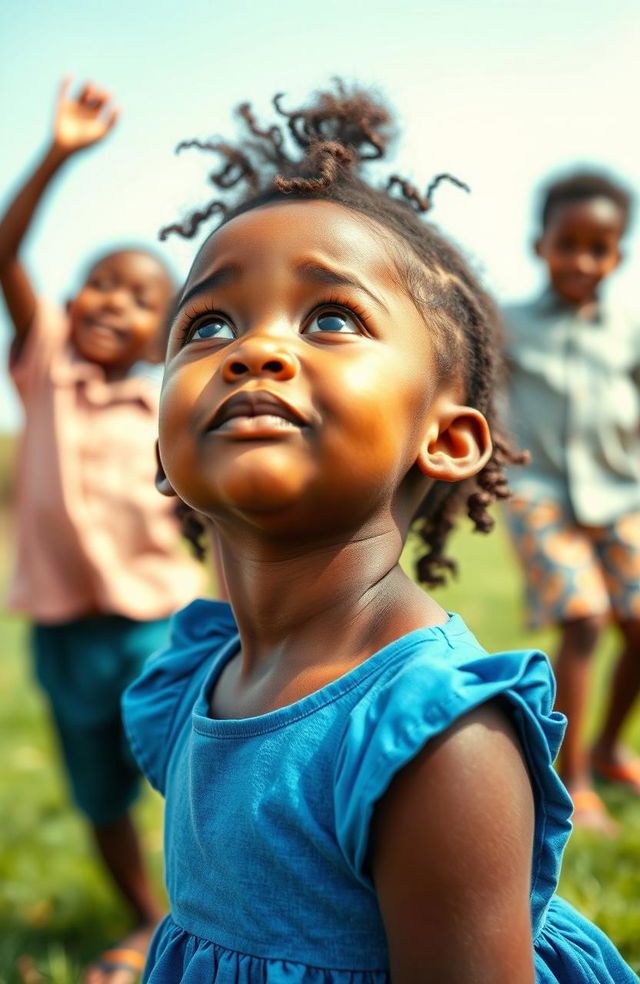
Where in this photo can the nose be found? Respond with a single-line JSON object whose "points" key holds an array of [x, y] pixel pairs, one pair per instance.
{"points": [[116, 299], [260, 356], [585, 263]]}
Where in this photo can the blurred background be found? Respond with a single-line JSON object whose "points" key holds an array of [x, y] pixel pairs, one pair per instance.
{"points": [[501, 94]]}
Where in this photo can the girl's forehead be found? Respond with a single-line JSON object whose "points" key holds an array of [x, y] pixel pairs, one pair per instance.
{"points": [[288, 231]]}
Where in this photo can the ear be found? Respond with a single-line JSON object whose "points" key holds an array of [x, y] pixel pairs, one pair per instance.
{"points": [[162, 482], [457, 444], [538, 247]]}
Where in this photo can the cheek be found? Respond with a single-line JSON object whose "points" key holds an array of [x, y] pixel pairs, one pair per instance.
{"points": [[177, 452], [176, 402], [608, 265], [148, 331], [183, 405], [385, 406]]}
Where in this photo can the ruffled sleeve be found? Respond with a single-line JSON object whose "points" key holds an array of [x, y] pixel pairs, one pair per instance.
{"points": [[157, 704], [444, 675]]}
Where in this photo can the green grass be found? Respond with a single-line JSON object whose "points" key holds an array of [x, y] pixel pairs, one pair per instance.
{"points": [[56, 908]]}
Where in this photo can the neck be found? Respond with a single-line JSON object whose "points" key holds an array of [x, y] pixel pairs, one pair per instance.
{"points": [[583, 308], [347, 599]]}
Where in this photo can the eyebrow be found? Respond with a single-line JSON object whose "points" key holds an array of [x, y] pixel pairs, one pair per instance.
{"points": [[318, 273], [310, 271], [220, 278]]}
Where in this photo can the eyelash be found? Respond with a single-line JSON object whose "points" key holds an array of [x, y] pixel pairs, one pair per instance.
{"points": [[191, 315]]}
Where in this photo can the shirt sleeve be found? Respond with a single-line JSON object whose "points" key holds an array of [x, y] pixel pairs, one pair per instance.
{"points": [[46, 337]]}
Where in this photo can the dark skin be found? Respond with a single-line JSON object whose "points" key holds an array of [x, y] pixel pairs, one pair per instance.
{"points": [[115, 320], [580, 245], [302, 413]]}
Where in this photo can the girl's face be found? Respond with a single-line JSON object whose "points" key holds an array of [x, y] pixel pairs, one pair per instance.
{"points": [[300, 379]]}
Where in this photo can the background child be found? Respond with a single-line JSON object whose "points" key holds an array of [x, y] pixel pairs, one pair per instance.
{"points": [[574, 403], [99, 564], [356, 791]]}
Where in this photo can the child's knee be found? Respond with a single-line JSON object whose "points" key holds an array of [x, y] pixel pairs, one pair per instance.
{"points": [[582, 634]]}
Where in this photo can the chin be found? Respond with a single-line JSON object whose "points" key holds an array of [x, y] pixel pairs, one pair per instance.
{"points": [[98, 356], [257, 484], [576, 295], [262, 496]]}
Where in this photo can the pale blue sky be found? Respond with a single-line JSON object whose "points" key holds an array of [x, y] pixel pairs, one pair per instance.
{"points": [[499, 93]]}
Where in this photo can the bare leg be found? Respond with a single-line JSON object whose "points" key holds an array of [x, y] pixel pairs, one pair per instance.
{"points": [[572, 670], [625, 686], [120, 849]]}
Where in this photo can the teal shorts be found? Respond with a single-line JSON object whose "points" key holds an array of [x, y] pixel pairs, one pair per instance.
{"points": [[83, 667]]}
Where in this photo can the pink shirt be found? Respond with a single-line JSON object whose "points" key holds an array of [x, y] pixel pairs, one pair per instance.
{"points": [[94, 535]]}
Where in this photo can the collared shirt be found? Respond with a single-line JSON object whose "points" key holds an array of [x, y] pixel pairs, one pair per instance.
{"points": [[94, 535], [574, 403]]}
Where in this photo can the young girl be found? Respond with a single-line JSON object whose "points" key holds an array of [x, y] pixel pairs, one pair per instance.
{"points": [[356, 791]]}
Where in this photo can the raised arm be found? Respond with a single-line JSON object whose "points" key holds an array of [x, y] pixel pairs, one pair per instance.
{"points": [[451, 855], [79, 122]]}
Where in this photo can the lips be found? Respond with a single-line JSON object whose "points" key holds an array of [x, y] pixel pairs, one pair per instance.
{"points": [[104, 327], [256, 404]]}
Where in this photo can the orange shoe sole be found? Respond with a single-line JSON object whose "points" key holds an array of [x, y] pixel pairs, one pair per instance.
{"points": [[626, 774]]}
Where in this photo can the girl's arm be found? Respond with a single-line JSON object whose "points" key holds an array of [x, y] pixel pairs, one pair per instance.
{"points": [[451, 855], [79, 122]]}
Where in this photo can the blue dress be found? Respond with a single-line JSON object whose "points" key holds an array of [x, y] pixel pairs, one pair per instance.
{"points": [[267, 818]]}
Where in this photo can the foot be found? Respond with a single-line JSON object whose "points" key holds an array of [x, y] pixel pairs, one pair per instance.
{"points": [[590, 813], [122, 963], [619, 767]]}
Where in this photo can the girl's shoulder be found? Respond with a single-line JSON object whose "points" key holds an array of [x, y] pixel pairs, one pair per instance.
{"points": [[437, 677], [158, 702], [442, 671]]}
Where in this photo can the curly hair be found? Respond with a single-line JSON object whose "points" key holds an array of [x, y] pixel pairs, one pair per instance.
{"points": [[320, 151], [581, 186]]}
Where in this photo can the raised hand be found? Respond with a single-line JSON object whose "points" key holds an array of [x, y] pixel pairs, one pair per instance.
{"points": [[84, 119], [79, 122]]}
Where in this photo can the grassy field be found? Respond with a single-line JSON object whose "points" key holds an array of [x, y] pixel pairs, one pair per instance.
{"points": [[56, 909]]}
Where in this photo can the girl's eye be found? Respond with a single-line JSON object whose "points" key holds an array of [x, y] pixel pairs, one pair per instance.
{"points": [[337, 322], [211, 328]]}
